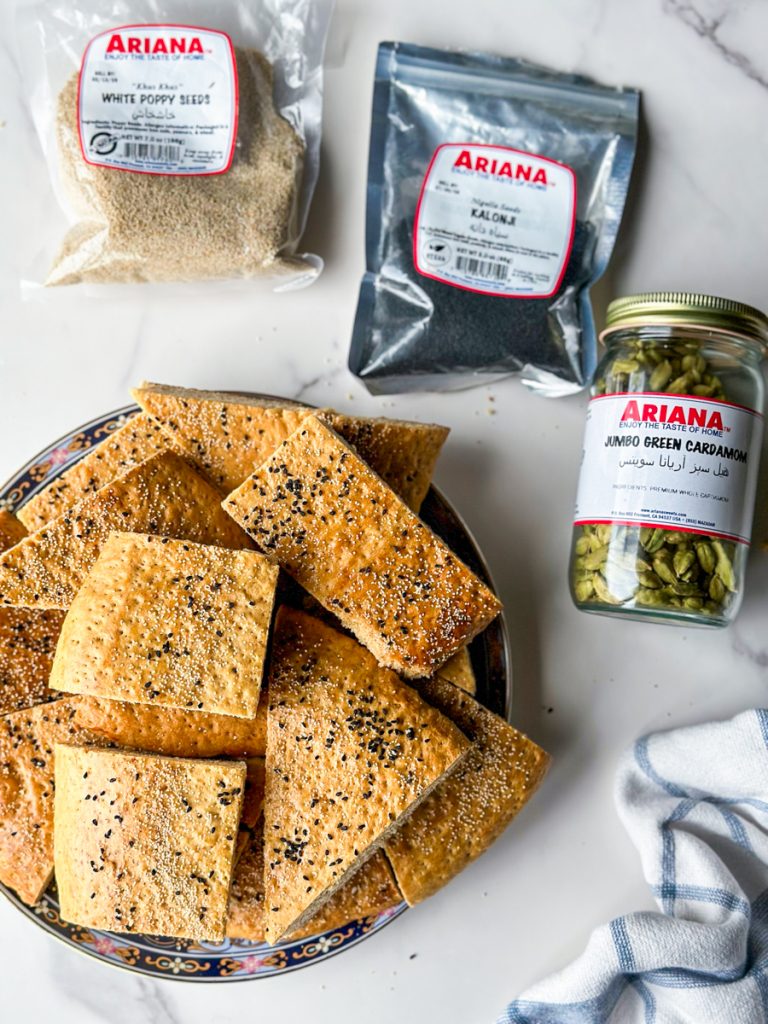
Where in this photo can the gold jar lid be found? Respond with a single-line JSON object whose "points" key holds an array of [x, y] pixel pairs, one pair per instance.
{"points": [[687, 309]]}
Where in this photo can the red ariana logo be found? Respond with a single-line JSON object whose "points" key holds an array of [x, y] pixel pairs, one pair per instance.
{"points": [[501, 168], [652, 412], [147, 44]]}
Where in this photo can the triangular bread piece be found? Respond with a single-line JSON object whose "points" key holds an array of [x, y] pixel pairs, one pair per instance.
{"points": [[173, 732], [368, 891], [351, 750], [458, 670], [470, 809], [27, 741], [228, 435], [168, 622], [162, 495], [12, 530], [326, 518], [145, 843], [120, 451]]}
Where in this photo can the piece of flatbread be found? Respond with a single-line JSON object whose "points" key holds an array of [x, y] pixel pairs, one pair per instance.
{"points": [[169, 622], [162, 496], [368, 891], [228, 435], [469, 810], [118, 452], [27, 640], [145, 843], [458, 670], [326, 518], [351, 749], [12, 530], [172, 732], [27, 644], [27, 740]]}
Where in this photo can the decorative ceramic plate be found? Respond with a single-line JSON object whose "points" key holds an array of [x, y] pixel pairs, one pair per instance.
{"points": [[237, 959]]}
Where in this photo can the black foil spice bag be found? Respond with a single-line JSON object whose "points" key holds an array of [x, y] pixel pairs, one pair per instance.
{"points": [[495, 192]]}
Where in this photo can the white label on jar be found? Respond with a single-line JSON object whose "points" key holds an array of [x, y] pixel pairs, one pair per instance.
{"points": [[495, 220], [673, 461], [159, 99]]}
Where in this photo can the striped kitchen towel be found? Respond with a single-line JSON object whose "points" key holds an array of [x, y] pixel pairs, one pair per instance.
{"points": [[695, 802]]}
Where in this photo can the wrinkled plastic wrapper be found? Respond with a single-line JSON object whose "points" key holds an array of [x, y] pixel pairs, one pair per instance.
{"points": [[413, 332], [136, 227]]}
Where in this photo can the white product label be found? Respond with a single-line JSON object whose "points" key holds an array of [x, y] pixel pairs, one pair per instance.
{"points": [[159, 99], [495, 220], [673, 461]]}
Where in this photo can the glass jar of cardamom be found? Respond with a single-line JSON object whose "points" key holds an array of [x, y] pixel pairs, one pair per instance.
{"points": [[669, 467]]}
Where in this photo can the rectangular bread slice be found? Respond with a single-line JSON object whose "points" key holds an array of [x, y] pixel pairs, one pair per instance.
{"points": [[119, 451], [351, 750], [145, 843], [228, 435], [326, 518], [27, 742], [173, 732], [162, 496], [468, 811], [172, 623]]}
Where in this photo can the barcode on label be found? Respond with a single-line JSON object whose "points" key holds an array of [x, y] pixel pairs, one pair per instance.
{"points": [[482, 268], [152, 151]]}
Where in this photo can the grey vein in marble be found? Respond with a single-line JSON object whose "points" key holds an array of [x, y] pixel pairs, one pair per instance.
{"points": [[708, 29]]}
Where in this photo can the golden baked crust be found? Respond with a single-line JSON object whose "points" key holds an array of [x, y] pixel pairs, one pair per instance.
{"points": [[12, 530], [173, 732], [162, 495], [120, 451], [458, 670], [350, 750], [168, 622], [369, 890], [145, 843], [470, 809], [326, 518], [27, 644], [229, 435], [27, 740]]}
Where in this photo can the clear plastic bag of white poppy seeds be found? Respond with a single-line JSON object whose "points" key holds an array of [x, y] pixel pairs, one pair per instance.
{"points": [[182, 137]]}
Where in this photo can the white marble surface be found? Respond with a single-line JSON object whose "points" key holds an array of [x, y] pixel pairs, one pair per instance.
{"points": [[584, 687]]}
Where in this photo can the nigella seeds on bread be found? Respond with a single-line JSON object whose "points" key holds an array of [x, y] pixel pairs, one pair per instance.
{"points": [[228, 435], [145, 843], [162, 495], [325, 517], [351, 749], [163, 621]]}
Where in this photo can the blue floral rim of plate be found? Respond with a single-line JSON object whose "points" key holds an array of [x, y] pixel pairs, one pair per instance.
{"points": [[234, 959]]}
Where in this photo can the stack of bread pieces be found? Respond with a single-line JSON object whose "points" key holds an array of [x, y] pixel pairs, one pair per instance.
{"points": [[235, 693]]}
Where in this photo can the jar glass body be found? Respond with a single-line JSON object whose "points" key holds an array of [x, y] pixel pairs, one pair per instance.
{"points": [[681, 570]]}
